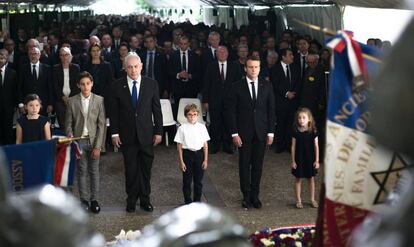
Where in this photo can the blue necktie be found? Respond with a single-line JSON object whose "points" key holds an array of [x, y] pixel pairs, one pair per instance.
{"points": [[134, 94]]}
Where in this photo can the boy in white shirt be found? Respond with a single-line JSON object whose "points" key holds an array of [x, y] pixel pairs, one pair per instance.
{"points": [[192, 150]]}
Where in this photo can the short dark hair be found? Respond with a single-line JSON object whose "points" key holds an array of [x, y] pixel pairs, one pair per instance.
{"points": [[284, 51], [252, 58], [31, 97], [85, 74], [190, 107]]}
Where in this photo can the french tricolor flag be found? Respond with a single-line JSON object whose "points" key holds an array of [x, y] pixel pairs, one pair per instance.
{"points": [[359, 173], [66, 156]]}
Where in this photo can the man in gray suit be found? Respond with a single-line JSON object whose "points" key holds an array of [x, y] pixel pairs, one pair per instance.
{"points": [[85, 116]]}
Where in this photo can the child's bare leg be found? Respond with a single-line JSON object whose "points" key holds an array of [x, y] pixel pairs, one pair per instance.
{"points": [[298, 192], [312, 191]]}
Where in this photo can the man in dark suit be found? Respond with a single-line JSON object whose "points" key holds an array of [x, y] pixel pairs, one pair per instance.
{"points": [[134, 103], [285, 78], [219, 77], [209, 53], [184, 73], [154, 63], [35, 77], [300, 57], [8, 99], [250, 115], [13, 58], [312, 94], [107, 52], [54, 49]]}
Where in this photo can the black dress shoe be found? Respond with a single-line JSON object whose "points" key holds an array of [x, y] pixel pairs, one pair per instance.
{"points": [[147, 207], [130, 208], [85, 204], [95, 208], [257, 203], [246, 204]]}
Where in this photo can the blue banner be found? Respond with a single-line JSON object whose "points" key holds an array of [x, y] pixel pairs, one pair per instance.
{"points": [[30, 164]]}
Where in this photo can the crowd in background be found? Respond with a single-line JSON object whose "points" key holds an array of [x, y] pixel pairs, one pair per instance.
{"points": [[99, 45]]}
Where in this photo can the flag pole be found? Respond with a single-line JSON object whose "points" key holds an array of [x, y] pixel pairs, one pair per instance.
{"points": [[330, 32], [70, 139]]}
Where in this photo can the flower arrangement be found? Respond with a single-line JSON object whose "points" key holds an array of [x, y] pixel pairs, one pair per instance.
{"points": [[294, 236], [124, 238]]}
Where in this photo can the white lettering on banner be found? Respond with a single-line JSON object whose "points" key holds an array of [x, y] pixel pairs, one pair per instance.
{"points": [[349, 160]]}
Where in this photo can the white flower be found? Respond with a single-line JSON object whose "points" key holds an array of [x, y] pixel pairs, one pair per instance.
{"points": [[267, 242], [130, 235], [298, 244]]}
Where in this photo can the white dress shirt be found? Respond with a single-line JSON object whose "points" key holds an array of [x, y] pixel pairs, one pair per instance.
{"points": [[192, 136], [256, 86], [85, 109], [3, 72], [224, 68], [131, 84], [66, 86], [37, 68]]}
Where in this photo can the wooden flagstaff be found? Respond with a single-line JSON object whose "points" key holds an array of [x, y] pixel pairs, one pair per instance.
{"points": [[329, 32]]}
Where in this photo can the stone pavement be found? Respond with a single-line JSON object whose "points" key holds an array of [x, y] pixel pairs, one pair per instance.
{"points": [[221, 189]]}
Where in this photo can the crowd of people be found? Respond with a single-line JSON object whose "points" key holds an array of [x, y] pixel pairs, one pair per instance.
{"points": [[111, 69]]}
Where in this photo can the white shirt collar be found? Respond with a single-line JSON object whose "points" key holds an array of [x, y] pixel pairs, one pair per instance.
{"points": [[85, 98], [130, 80], [37, 64], [3, 69], [250, 81], [225, 62]]}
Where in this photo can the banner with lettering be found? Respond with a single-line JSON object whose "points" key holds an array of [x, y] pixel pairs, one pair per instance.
{"points": [[31, 163], [358, 173]]}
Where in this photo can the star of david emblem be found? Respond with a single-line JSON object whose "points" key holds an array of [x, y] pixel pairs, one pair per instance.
{"points": [[387, 179]]}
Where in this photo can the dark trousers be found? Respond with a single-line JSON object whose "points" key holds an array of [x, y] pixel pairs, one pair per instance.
{"points": [[193, 160], [60, 109], [138, 163], [251, 156], [218, 132], [284, 127], [6, 127]]}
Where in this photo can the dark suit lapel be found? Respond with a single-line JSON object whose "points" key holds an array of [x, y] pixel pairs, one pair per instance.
{"points": [[61, 79], [261, 90], [40, 75], [141, 91], [126, 94], [246, 91]]}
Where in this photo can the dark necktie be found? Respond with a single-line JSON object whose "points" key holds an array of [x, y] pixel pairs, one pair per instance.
{"points": [[288, 75], [303, 65], [134, 94], [215, 54], [34, 73], [184, 65], [253, 93], [150, 66], [222, 72]]}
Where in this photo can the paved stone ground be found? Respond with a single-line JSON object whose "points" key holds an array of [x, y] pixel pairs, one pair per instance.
{"points": [[221, 189]]}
